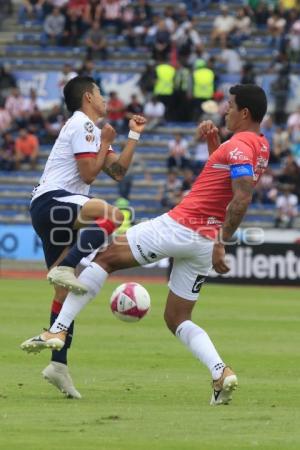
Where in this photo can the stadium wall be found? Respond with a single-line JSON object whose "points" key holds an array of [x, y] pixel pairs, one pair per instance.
{"points": [[275, 261], [262, 264]]}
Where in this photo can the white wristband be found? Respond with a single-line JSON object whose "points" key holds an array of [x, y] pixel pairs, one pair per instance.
{"points": [[134, 135]]}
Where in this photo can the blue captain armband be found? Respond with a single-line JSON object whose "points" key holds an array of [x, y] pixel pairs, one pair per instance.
{"points": [[241, 170]]}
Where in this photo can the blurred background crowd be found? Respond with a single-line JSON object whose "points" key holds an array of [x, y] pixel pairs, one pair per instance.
{"points": [[178, 87]]}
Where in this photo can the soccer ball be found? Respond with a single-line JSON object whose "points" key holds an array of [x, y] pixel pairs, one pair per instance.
{"points": [[130, 302]]}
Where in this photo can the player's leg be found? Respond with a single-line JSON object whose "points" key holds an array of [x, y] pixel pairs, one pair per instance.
{"points": [[142, 244], [117, 256], [185, 285], [54, 217], [178, 313], [60, 294], [97, 219], [126, 251], [46, 218], [57, 371]]}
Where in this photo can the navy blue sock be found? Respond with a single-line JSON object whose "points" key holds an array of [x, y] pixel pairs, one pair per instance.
{"points": [[88, 241], [61, 355]]}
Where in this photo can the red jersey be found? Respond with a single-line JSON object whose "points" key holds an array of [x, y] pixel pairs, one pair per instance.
{"points": [[204, 208]]}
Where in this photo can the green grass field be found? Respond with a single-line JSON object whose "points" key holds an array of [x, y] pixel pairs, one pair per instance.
{"points": [[142, 390]]}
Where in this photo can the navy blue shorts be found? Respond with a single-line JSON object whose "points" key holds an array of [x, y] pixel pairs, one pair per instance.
{"points": [[53, 215]]}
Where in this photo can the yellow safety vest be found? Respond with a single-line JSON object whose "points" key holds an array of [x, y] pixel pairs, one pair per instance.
{"points": [[288, 4], [127, 213], [203, 83], [164, 83]]}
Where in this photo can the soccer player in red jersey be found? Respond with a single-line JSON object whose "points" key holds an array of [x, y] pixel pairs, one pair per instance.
{"points": [[194, 233]]}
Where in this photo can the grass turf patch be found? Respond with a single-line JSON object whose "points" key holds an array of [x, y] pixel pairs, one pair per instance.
{"points": [[141, 388]]}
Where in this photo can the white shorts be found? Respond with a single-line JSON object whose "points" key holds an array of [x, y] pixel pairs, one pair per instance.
{"points": [[164, 237]]}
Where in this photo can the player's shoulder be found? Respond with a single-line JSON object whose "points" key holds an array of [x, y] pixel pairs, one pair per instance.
{"points": [[226, 147], [242, 136], [249, 137], [81, 122], [236, 150], [253, 142], [242, 141]]}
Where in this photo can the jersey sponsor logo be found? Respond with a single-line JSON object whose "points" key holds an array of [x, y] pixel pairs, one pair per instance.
{"points": [[213, 221], [90, 138], [198, 284], [237, 155], [142, 253], [89, 127]]}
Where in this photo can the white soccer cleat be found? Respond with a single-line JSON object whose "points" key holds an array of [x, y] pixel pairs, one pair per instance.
{"points": [[64, 276], [223, 387], [58, 375], [52, 341]]}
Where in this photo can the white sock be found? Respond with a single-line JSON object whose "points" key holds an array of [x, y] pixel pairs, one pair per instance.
{"points": [[93, 277], [199, 343]]}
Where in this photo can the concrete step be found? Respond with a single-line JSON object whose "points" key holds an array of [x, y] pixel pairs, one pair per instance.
{"points": [[28, 180], [8, 25], [33, 52], [6, 37]]}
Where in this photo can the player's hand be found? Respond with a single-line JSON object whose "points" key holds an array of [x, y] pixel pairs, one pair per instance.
{"points": [[108, 134], [218, 259], [207, 129], [137, 123]]}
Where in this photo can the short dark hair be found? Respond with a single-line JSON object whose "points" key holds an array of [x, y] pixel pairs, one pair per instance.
{"points": [[252, 97], [74, 91]]}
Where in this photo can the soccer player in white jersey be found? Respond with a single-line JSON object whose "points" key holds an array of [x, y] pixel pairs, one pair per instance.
{"points": [[61, 205], [193, 233]]}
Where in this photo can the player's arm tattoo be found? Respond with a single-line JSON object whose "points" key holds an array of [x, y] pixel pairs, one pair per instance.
{"points": [[242, 195], [116, 171]]}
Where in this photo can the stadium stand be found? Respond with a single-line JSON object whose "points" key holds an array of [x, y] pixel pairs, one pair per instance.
{"points": [[20, 49]]}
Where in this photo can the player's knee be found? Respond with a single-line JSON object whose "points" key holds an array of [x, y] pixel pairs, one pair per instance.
{"points": [[93, 208], [97, 209]]}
